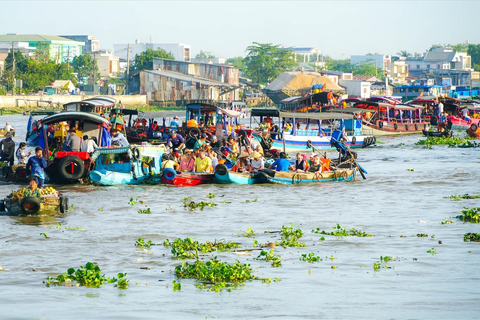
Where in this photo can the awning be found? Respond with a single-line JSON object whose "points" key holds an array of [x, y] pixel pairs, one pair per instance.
{"points": [[230, 113], [317, 116]]}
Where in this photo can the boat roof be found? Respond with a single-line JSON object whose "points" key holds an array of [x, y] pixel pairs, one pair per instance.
{"points": [[125, 111], [43, 112], [381, 105], [346, 110], [317, 116], [105, 98], [260, 112], [74, 115], [210, 108]]}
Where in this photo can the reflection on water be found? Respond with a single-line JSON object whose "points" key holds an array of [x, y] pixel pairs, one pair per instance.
{"points": [[394, 204]]}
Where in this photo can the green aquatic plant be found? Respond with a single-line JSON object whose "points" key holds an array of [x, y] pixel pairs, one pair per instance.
{"points": [[447, 221], [463, 196], [422, 235], [470, 215], [432, 251], [310, 258], [450, 141], [144, 211], [189, 249], [248, 234], [177, 286], [100, 209], [339, 231], [133, 202], [254, 200], [44, 234], [192, 205], [142, 244], [290, 237], [471, 237], [210, 196], [269, 256], [88, 276]]}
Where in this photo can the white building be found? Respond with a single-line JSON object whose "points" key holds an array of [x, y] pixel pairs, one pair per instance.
{"points": [[180, 51], [305, 57], [381, 61], [440, 58], [108, 64]]}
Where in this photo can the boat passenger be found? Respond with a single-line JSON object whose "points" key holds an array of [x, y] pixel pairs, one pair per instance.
{"points": [[155, 126], [288, 126], [258, 148], [168, 162], [316, 165], [233, 145], [8, 127], [7, 149], [213, 155], [118, 138], [214, 143], [20, 154], [298, 126], [473, 131], [200, 142], [442, 122], [36, 166], [88, 145], [300, 164], [281, 164], [174, 123], [257, 162], [73, 142], [33, 191], [243, 162], [187, 162], [201, 124], [203, 163], [192, 123], [465, 114], [265, 125], [175, 143]]}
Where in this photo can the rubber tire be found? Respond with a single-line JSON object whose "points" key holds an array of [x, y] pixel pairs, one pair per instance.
{"points": [[395, 126], [30, 200], [21, 174], [2, 205], [416, 127], [406, 127], [242, 134], [262, 177], [63, 204], [6, 171], [71, 176], [380, 124], [169, 174], [194, 132], [309, 144], [354, 140], [221, 169], [280, 136], [136, 155]]}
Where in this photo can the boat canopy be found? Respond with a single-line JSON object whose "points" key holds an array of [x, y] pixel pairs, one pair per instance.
{"points": [[264, 112], [74, 116], [316, 116], [346, 110], [229, 113], [370, 105], [43, 112]]}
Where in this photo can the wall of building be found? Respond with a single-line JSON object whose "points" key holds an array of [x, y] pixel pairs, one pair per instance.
{"points": [[31, 100], [356, 88]]}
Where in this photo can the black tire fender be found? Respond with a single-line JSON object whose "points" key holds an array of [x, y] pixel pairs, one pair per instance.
{"points": [[2, 205], [416, 127], [262, 177], [21, 173], [78, 171], [30, 205], [406, 127], [136, 155], [395, 126], [63, 204], [354, 140], [380, 124], [221, 169], [194, 132]]}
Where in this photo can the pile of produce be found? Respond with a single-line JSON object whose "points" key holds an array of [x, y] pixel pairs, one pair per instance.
{"points": [[44, 192], [47, 191]]}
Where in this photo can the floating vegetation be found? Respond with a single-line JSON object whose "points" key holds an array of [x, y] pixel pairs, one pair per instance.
{"points": [[450, 141], [210, 196], [44, 234], [447, 221], [269, 256], [192, 205], [470, 215], [340, 231], [189, 248], [144, 211], [177, 286], [471, 237], [290, 237], [88, 276], [248, 234], [215, 274], [432, 251], [463, 196], [133, 202], [254, 200], [377, 265], [142, 244], [310, 258]]}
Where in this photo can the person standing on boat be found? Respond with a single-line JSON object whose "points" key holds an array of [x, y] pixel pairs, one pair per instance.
{"points": [[36, 166], [440, 109], [203, 163], [20, 154], [281, 164], [7, 149], [175, 143], [73, 142], [8, 127], [174, 123], [118, 138], [33, 191], [88, 145]]}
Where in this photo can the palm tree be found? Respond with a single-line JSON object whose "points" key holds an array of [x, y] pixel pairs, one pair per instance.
{"points": [[404, 54]]}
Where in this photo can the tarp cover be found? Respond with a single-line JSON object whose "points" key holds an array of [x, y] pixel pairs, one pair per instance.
{"points": [[302, 80]]}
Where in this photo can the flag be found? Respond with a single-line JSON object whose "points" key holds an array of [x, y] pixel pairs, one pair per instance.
{"points": [[324, 86], [421, 94]]}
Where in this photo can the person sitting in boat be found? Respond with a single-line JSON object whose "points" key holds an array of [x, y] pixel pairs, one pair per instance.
{"points": [[201, 124], [265, 125], [258, 148], [288, 126], [20, 153], [243, 162], [281, 164], [298, 126], [168, 162], [174, 123], [192, 123], [465, 114], [256, 162], [442, 122], [203, 163], [187, 162], [316, 165], [155, 126], [473, 131], [300, 164], [200, 142], [175, 143], [88, 145], [213, 155], [33, 191], [72, 142], [36, 166], [118, 139], [7, 149], [214, 143], [233, 145], [8, 127]]}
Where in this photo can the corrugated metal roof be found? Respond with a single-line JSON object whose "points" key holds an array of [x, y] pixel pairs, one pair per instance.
{"points": [[439, 56], [35, 37], [188, 78]]}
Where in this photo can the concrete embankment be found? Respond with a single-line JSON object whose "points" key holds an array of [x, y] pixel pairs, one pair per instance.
{"points": [[57, 101]]}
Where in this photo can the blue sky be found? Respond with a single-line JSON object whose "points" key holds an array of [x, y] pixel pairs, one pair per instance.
{"points": [[226, 28]]}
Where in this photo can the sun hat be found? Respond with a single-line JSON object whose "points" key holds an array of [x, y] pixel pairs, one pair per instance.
{"points": [[244, 155], [256, 154], [175, 117]]}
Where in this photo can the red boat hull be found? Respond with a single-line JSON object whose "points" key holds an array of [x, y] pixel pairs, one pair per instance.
{"points": [[188, 179]]}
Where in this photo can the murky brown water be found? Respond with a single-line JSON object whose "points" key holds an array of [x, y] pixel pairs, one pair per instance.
{"points": [[392, 202]]}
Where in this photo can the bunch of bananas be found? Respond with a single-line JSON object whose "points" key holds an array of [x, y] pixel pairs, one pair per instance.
{"points": [[17, 194], [48, 190]]}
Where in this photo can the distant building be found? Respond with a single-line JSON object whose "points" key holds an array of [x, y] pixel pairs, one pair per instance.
{"points": [[210, 60], [180, 51], [108, 64], [91, 44], [60, 49], [381, 61], [306, 57]]}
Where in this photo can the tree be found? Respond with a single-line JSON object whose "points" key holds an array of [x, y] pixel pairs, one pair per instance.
{"points": [[404, 54], [474, 53], [84, 66], [342, 65], [237, 62], [42, 53], [144, 60], [265, 62], [204, 55]]}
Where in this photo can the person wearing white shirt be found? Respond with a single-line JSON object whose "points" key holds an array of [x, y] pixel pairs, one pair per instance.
{"points": [[88, 145], [256, 163]]}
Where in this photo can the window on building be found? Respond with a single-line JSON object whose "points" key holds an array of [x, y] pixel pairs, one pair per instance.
{"points": [[418, 66]]}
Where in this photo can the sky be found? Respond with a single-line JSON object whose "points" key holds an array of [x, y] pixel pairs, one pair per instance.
{"points": [[226, 28]]}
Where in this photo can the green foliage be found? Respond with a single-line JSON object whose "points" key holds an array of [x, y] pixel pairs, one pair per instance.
{"points": [[189, 248], [144, 60], [144, 211], [432, 251], [250, 233], [210, 196], [290, 237], [133, 202], [447, 221], [204, 55], [177, 286], [450, 141], [142, 244], [265, 62], [269, 256], [339, 231], [474, 53], [192, 205], [422, 235], [404, 53], [471, 237], [85, 66], [88, 276], [470, 215], [310, 258], [464, 196], [237, 62], [254, 200]]}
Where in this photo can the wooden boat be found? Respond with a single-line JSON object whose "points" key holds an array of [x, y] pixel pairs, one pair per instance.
{"points": [[126, 165], [427, 133], [3, 132], [17, 173], [48, 204], [225, 176], [283, 177], [186, 179]]}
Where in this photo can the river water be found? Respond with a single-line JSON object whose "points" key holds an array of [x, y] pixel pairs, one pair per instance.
{"points": [[394, 204]]}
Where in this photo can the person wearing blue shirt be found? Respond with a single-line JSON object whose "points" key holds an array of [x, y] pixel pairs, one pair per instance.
{"points": [[176, 143], [118, 138], [281, 164], [174, 123], [36, 167]]}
